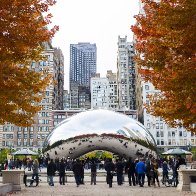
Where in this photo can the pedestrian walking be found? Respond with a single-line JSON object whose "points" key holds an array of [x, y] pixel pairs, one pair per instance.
{"points": [[35, 169], [51, 169]]}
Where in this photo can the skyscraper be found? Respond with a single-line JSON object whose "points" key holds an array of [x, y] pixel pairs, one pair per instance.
{"points": [[126, 75], [83, 65]]}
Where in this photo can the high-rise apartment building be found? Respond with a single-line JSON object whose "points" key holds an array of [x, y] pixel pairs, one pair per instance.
{"points": [[33, 137], [104, 91], [126, 75], [83, 65]]}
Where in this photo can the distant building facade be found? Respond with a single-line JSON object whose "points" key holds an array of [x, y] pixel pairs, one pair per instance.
{"points": [[83, 65], [128, 79], [33, 137], [104, 91], [165, 136]]}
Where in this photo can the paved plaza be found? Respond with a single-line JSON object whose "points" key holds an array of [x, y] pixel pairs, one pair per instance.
{"points": [[101, 189]]}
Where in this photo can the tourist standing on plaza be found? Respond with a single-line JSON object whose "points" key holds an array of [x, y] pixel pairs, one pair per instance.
{"points": [[149, 172], [119, 171], [62, 167], [136, 174], [154, 165], [141, 169], [130, 169], [77, 170], [35, 169], [82, 172], [110, 168], [51, 169], [93, 172], [165, 169]]}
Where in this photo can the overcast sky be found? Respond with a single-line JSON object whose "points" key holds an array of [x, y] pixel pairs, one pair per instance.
{"points": [[94, 21]]}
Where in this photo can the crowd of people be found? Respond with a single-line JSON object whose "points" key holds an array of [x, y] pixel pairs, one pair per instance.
{"points": [[136, 169]]}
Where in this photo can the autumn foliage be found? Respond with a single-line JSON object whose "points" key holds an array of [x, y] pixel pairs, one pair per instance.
{"points": [[165, 47], [23, 30]]}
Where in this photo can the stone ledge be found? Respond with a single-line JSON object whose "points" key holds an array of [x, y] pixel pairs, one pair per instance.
{"points": [[5, 188]]}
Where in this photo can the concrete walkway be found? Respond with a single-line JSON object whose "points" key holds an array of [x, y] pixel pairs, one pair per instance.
{"points": [[101, 189]]}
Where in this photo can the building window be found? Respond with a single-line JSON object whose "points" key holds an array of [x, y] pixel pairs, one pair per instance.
{"points": [[173, 142], [162, 142], [181, 142], [162, 134], [169, 133], [158, 135], [161, 125], [157, 125], [180, 133], [173, 133], [158, 142], [146, 87], [19, 136], [169, 142], [184, 133]]}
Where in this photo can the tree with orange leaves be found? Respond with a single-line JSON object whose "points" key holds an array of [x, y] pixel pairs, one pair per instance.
{"points": [[23, 30], [165, 48]]}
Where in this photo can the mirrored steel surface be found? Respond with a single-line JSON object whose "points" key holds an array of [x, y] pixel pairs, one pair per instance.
{"points": [[98, 122]]}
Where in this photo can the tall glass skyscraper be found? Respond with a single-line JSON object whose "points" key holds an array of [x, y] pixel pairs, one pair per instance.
{"points": [[83, 65]]}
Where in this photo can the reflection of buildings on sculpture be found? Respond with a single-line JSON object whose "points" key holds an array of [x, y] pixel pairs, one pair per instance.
{"points": [[165, 136], [99, 130], [60, 115]]}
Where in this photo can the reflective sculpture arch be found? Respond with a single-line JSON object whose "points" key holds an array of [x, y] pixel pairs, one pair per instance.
{"points": [[99, 130]]}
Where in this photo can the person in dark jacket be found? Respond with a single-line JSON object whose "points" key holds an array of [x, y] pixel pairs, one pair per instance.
{"points": [[51, 169], [77, 170], [110, 168], [93, 172], [119, 171], [82, 172], [130, 169], [62, 167]]}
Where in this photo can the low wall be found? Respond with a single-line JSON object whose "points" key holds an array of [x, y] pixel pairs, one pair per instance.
{"points": [[15, 177], [5, 188], [185, 183]]}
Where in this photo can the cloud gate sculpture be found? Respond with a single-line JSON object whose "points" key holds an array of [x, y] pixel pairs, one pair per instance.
{"points": [[99, 130]]}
